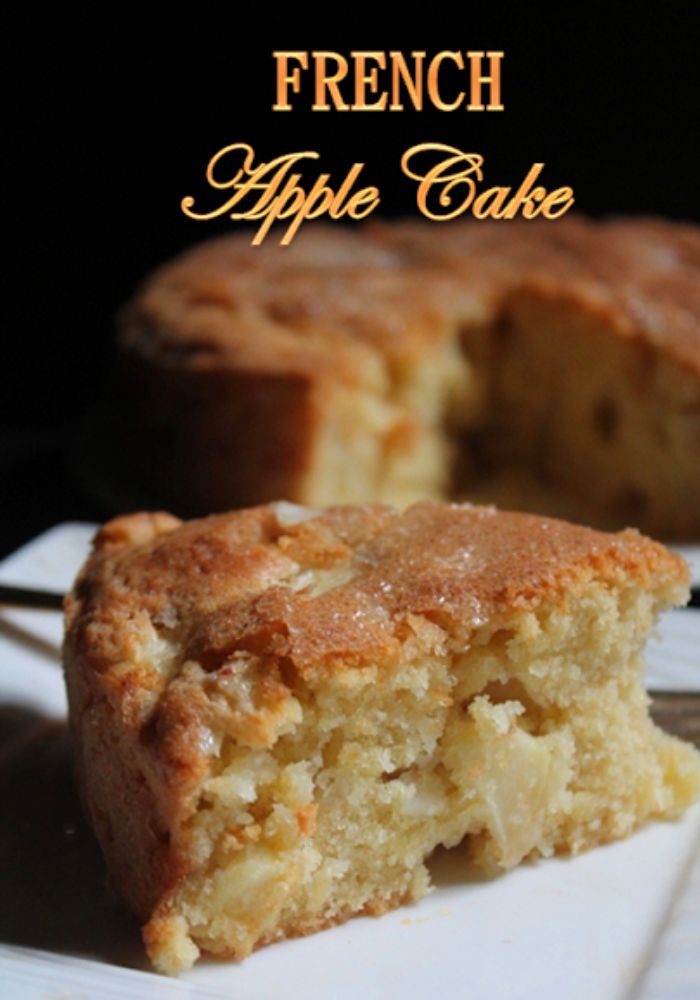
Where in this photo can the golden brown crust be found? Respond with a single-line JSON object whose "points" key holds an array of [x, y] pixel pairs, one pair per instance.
{"points": [[233, 582]]}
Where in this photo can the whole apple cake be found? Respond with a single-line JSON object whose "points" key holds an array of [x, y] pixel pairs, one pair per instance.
{"points": [[553, 367]]}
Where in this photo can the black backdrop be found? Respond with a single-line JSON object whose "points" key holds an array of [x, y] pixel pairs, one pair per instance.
{"points": [[108, 126]]}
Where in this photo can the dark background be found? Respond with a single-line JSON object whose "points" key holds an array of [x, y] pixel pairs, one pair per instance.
{"points": [[106, 136]]}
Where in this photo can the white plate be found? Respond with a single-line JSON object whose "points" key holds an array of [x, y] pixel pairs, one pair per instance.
{"points": [[620, 922]]}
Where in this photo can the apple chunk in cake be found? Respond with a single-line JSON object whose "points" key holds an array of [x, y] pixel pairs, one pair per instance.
{"points": [[279, 714]]}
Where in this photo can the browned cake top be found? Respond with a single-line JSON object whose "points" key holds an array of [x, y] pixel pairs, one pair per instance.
{"points": [[337, 299], [345, 587]]}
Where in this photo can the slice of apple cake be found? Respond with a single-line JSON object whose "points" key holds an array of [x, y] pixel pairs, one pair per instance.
{"points": [[279, 713]]}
